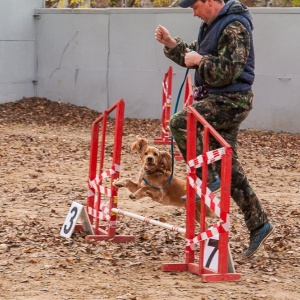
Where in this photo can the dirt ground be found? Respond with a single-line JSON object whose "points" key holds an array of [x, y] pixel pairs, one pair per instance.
{"points": [[44, 158]]}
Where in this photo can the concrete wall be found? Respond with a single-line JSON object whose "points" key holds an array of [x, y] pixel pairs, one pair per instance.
{"points": [[102, 55], [17, 48], [92, 57], [277, 82]]}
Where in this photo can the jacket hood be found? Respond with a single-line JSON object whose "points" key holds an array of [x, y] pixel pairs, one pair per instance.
{"points": [[236, 7]]}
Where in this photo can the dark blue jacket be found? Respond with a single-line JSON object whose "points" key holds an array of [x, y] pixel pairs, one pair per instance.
{"points": [[208, 44]]}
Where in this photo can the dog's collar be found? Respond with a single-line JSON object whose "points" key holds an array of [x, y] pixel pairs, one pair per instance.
{"points": [[153, 172]]}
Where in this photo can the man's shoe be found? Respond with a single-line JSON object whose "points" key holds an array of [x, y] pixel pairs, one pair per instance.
{"points": [[257, 238], [214, 187]]}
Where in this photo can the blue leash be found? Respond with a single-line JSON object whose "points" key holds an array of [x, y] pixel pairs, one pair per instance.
{"points": [[172, 139]]}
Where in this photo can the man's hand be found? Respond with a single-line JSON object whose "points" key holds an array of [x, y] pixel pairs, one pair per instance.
{"points": [[163, 36], [192, 58]]}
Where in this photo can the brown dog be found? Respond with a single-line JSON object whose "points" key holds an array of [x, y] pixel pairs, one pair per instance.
{"points": [[154, 178]]}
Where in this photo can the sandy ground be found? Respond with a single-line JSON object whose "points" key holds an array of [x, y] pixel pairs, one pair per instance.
{"points": [[44, 158]]}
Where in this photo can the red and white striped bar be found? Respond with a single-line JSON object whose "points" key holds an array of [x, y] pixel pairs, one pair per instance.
{"points": [[99, 188], [114, 169], [97, 214], [212, 201], [214, 230], [211, 156]]}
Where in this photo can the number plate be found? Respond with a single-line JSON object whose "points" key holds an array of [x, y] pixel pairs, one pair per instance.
{"points": [[211, 255], [76, 210]]}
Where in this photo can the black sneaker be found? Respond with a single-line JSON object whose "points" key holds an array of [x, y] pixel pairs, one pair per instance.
{"points": [[214, 187], [257, 238]]}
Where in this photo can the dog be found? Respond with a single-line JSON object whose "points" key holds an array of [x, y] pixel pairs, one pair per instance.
{"points": [[155, 179]]}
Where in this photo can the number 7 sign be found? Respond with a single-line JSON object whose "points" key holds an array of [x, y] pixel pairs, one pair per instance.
{"points": [[211, 255]]}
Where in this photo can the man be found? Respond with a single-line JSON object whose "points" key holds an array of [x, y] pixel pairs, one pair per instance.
{"points": [[223, 59]]}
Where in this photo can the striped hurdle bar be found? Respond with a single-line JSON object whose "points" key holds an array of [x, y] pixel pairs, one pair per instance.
{"points": [[107, 215], [165, 138], [219, 206]]}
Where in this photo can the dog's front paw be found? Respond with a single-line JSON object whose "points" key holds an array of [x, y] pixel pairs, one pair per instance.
{"points": [[118, 183], [149, 194], [131, 196]]}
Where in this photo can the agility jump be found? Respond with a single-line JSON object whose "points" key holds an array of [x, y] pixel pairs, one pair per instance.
{"points": [[219, 206]]}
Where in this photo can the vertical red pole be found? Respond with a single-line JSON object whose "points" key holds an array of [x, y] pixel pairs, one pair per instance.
{"points": [[203, 193], [190, 191], [101, 162], [169, 93], [163, 116], [102, 151], [188, 95], [119, 123], [166, 108], [167, 102], [226, 168], [93, 164]]}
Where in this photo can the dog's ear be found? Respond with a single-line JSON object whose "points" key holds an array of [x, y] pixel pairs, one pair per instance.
{"points": [[166, 160], [139, 146]]}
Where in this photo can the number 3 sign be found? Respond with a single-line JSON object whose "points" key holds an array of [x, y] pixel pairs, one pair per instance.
{"points": [[76, 210]]}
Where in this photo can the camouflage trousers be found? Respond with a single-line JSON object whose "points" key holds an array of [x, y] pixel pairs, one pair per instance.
{"points": [[225, 116]]}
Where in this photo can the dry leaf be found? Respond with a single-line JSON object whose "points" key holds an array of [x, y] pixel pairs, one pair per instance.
{"points": [[33, 261]]}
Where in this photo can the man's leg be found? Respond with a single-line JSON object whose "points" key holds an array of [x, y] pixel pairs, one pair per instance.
{"points": [[178, 127], [226, 119], [244, 196]]}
